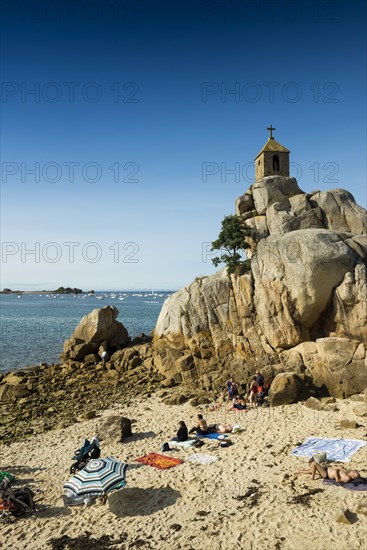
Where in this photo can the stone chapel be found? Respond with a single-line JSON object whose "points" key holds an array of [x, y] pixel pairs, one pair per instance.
{"points": [[273, 159]]}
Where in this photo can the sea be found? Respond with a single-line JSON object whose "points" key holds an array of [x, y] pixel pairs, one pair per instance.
{"points": [[33, 327]]}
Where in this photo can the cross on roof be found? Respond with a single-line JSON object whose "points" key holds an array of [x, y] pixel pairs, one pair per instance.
{"points": [[271, 129]]}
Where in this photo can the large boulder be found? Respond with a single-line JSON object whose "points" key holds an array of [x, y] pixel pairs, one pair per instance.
{"points": [[271, 189], [244, 203], [340, 211], [347, 316], [290, 387], [287, 215], [99, 330], [295, 275], [338, 364], [100, 325], [115, 429], [12, 392]]}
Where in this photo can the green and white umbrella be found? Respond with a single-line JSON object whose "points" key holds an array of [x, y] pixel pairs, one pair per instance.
{"points": [[99, 477]]}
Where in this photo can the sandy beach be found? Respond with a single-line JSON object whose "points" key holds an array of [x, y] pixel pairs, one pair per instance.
{"points": [[247, 499]]}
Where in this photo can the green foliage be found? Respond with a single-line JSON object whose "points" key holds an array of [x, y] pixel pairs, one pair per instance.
{"points": [[231, 240]]}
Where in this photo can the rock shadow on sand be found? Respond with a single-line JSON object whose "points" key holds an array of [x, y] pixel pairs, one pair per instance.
{"points": [[45, 511], [140, 435], [19, 470], [134, 501]]}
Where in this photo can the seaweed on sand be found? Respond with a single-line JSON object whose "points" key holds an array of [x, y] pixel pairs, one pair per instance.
{"points": [[86, 542], [251, 496], [305, 498]]}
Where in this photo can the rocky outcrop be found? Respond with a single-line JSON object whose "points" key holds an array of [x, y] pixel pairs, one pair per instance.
{"points": [[289, 388], [338, 364], [271, 190], [50, 396], [97, 332], [307, 288], [115, 429]]}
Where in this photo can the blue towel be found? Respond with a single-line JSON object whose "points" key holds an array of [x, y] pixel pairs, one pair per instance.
{"points": [[336, 449], [213, 436]]}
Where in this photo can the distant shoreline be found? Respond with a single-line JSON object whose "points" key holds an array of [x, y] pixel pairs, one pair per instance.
{"points": [[39, 292], [60, 290], [86, 292]]}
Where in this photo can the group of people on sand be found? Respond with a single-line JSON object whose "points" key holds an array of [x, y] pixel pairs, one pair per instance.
{"points": [[201, 428], [257, 391], [340, 475]]}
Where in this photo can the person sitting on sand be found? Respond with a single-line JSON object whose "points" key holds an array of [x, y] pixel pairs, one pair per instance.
{"points": [[201, 428], [341, 475], [238, 403], [253, 391], [182, 432]]}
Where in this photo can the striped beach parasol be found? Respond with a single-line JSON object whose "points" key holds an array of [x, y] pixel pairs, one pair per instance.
{"points": [[97, 478]]}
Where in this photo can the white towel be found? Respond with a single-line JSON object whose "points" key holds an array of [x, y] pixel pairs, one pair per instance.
{"points": [[202, 459]]}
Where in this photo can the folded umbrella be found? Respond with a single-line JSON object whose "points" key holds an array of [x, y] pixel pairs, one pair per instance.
{"points": [[97, 478]]}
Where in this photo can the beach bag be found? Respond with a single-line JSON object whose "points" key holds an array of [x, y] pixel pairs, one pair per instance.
{"points": [[23, 501], [225, 443], [165, 447]]}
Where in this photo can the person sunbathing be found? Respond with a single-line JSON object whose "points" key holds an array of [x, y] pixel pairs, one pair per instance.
{"points": [[220, 428], [201, 428], [340, 475], [224, 428]]}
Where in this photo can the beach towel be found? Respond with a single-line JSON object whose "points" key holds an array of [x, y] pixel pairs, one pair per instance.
{"points": [[161, 462], [351, 486], [202, 459], [213, 436], [336, 449], [186, 444]]}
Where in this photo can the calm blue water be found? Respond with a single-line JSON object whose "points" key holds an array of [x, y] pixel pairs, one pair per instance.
{"points": [[34, 326]]}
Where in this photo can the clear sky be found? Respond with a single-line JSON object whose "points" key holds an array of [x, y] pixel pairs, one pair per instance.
{"points": [[128, 129]]}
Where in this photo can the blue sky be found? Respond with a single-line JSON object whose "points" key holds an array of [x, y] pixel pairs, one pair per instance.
{"points": [[139, 113]]}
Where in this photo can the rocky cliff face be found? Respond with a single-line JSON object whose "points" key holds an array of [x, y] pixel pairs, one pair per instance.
{"points": [[302, 307]]}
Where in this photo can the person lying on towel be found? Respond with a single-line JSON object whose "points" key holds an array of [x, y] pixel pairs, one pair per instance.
{"points": [[222, 428], [340, 475]]}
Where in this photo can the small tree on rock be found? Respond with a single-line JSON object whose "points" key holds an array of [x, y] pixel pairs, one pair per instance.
{"points": [[231, 240]]}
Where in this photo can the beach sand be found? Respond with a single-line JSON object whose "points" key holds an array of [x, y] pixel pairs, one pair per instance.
{"points": [[244, 500]]}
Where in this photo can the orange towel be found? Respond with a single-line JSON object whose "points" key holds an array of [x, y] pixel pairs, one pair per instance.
{"points": [[161, 462]]}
